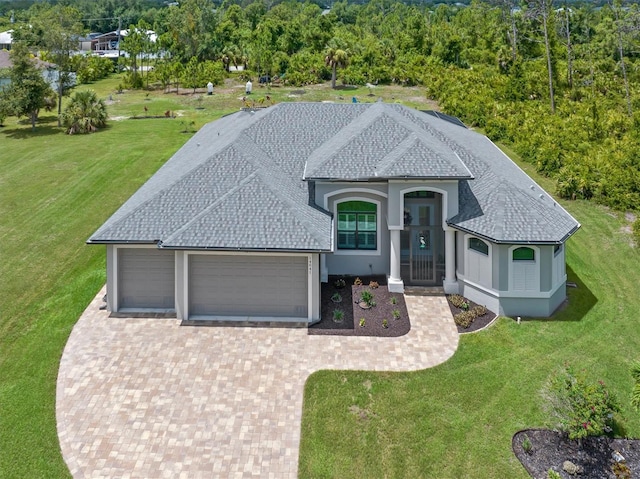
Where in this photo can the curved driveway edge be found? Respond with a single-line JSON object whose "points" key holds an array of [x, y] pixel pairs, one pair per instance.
{"points": [[149, 398]]}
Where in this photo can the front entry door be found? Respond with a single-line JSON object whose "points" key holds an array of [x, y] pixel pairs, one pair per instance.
{"points": [[422, 242], [421, 261]]}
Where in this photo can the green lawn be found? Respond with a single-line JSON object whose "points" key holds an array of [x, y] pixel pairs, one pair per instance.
{"points": [[452, 421]]}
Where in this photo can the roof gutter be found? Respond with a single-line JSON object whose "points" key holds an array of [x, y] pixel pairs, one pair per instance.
{"points": [[90, 241], [387, 178], [497, 241]]}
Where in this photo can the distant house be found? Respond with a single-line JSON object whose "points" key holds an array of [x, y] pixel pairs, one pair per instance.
{"points": [[49, 70], [6, 40], [85, 42], [258, 208], [108, 44]]}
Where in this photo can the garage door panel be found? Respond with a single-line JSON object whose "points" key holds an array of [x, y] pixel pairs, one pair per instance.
{"points": [[247, 286], [146, 278]]}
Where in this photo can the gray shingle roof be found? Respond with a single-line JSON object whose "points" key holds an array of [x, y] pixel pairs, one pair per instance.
{"points": [[239, 182]]}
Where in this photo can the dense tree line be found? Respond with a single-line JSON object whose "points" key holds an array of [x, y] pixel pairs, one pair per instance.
{"points": [[558, 83]]}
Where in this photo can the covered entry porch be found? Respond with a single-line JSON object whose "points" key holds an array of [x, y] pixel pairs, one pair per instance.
{"points": [[423, 248]]}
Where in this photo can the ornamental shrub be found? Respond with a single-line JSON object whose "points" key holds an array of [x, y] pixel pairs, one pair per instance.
{"points": [[579, 407], [464, 319], [457, 300]]}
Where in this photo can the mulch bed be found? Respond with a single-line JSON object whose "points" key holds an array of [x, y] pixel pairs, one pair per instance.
{"points": [[550, 449], [350, 325], [478, 323]]}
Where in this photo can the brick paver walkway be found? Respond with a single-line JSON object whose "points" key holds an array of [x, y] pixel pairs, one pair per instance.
{"points": [[149, 398]]}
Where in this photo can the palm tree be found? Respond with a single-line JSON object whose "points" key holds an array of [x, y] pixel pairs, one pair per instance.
{"points": [[335, 57], [85, 113]]}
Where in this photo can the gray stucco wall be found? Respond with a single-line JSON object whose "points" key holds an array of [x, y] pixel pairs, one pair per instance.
{"points": [[533, 307], [500, 267], [315, 287], [546, 267], [354, 262], [397, 187], [460, 253], [180, 286], [111, 277]]}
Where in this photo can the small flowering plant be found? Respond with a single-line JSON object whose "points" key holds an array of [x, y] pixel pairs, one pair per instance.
{"points": [[582, 408], [340, 283]]}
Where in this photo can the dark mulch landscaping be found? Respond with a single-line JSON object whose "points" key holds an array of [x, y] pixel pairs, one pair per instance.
{"points": [[550, 449], [478, 323], [350, 325]]}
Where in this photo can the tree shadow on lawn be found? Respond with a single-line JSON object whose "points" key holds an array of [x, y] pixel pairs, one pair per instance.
{"points": [[24, 133], [44, 130], [579, 301]]}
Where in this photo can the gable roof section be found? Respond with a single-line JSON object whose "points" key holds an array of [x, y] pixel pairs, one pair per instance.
{"points": [[382, 144]]}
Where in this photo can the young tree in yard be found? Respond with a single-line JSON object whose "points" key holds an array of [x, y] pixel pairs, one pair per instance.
{"points": [[85, 113], [581, 408], [56, 32], [28, 90], [134, 44]]}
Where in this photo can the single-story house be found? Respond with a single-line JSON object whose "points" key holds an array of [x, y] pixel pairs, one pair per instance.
{"points": [[49, 70], [259, 207]]}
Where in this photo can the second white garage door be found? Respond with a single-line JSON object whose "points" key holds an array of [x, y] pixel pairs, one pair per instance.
{"points": [[268, 286]]}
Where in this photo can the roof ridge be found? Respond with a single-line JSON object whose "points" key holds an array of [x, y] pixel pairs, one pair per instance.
{"points": [[208, 208], [302, 215], [334, 144], [165, 188], [395, 154], [267, 170]]}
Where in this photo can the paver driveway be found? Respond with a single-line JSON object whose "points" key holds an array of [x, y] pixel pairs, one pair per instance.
{"points": [[150, 398]]}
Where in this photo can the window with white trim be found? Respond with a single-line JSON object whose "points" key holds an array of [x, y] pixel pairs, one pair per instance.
{"points": [[523, 254], [357, 225], [479, 246]]}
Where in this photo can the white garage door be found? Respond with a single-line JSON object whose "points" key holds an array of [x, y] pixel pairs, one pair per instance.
{"points": [[146, 278], [248, 286]]}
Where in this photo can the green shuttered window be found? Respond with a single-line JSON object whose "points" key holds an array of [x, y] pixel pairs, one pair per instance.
{"points": [[357, 225]]}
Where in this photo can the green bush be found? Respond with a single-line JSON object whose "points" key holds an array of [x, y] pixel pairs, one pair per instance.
{"points": [[479, 311], [580, 408], [89, 68], [457, 300], [464, 319]]}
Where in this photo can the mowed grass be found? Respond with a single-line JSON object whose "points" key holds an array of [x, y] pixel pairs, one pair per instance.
{"points": [[452, 421], [457, 420]]}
